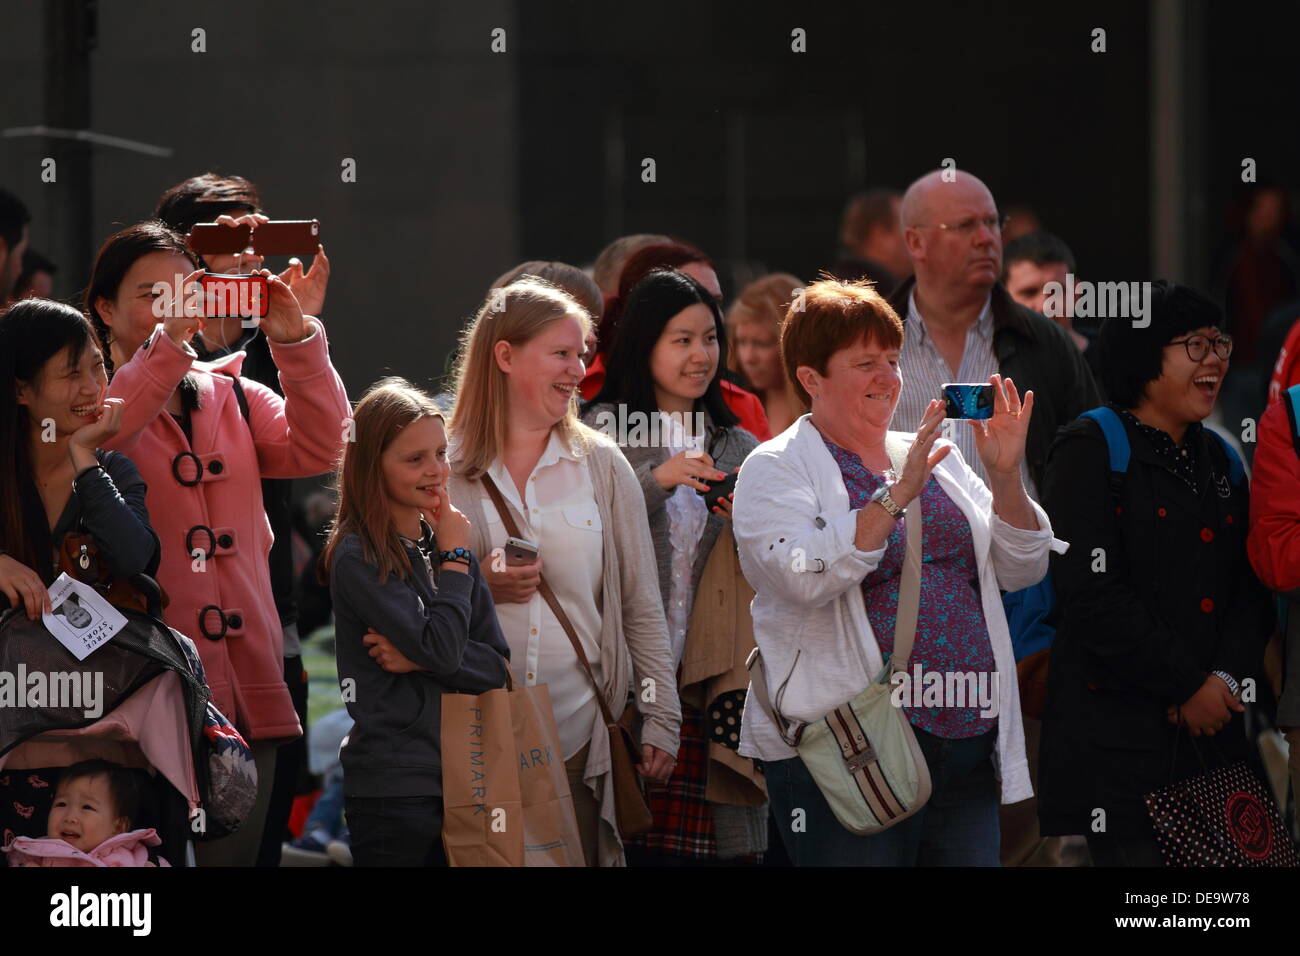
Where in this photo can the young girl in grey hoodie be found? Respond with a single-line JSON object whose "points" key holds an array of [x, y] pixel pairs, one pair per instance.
{"points": [[414, 621]]}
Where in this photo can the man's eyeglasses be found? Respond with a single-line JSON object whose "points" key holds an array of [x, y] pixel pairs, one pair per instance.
{"points": [[966, 228], [1198, 346]]}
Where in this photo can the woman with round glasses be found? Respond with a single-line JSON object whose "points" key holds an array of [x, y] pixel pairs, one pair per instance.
{"points": [[1160, 618]]}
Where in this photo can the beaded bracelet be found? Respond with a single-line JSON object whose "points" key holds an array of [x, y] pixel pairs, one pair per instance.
{"points": [[459, 555]]}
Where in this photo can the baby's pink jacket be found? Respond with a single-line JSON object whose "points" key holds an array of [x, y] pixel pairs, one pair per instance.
{"points": [[125, 849]]}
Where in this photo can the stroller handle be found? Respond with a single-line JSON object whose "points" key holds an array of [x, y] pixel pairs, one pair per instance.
{"points": [[152, 592]]}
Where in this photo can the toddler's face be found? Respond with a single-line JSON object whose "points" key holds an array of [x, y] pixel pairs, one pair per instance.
{"points": [[83, 813]]}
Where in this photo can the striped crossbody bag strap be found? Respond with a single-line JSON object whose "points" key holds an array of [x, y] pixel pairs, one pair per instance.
{"points": [[909, 587], [880, 793]]}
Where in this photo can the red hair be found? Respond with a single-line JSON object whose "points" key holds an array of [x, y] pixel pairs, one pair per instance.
{"points": [[668, 255]]}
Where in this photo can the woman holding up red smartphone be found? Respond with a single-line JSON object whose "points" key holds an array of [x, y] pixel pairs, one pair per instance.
{"points": [[204, 436]]}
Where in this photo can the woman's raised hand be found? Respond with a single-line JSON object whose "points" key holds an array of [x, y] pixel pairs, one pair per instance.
{"points": [[178, 326], [309, 286], [284, 322], [105, 426], [1000, 440], [921, 457]]}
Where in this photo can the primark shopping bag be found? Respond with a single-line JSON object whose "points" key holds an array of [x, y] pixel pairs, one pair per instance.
{"points": [[1223, 817], [506, 799]]}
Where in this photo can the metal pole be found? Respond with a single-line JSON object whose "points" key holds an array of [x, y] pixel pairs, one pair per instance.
{"points": [[1169, 140], [70, 34]]}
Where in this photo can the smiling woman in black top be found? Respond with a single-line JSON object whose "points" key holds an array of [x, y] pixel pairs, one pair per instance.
{"points": [[1160, 618], [53, 477]]}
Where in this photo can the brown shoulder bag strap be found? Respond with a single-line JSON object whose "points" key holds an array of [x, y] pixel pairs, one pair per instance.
{"points": [[543, 588]]}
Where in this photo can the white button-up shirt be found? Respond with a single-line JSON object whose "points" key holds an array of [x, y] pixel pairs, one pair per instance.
{"points": [[560, 517]]}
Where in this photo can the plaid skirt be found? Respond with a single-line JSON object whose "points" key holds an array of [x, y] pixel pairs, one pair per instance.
{"points": [[683, 819]]}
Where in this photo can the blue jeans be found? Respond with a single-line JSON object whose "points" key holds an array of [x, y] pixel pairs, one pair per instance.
{"points": [[957, 827], [327, 814]]}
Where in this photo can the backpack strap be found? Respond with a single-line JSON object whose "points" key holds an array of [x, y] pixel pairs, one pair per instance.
{"points": [[1112, 429], [1291, 398], [240, 397], [1117, 446]]}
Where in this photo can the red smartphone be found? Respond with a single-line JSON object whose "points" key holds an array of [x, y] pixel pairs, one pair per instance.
{"points": [[242, 297], [287, 237], [210, 239], [284, 237]]}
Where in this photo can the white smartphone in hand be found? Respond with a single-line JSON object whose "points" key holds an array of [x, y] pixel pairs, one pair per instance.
{"points": [[519, 552]]}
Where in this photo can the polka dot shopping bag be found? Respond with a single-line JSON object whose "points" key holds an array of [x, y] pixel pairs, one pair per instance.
{"points": [[1221, 817]]}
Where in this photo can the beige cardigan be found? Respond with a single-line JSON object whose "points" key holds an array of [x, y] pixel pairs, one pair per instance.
{"points": [[634, 634]]}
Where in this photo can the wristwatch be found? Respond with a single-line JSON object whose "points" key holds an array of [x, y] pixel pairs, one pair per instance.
{"points": [[1233, 684], [883, 498]]}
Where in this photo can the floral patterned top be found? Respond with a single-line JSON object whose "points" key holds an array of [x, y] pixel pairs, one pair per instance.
{"points": [[952, 638]]}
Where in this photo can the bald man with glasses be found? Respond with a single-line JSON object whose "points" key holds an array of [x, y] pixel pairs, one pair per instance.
{"points": [[961, 324]]}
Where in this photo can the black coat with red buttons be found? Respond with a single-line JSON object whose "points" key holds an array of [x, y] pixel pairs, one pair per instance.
{"points": [[1154, 593]]}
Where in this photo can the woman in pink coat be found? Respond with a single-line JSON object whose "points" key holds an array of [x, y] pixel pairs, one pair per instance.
{"points": [[203, 438]]}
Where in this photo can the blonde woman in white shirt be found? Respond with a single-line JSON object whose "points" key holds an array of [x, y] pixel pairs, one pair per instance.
{"points": [[574, 495]]}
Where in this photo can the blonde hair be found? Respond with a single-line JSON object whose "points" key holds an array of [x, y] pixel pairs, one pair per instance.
{"points": [[763, 302], [384, 411], [480, 419]]}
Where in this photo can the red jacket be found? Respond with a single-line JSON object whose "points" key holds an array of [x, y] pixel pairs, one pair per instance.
{"points": [[1274, 542], [1286, 371], [745, 405], [224, 602]]}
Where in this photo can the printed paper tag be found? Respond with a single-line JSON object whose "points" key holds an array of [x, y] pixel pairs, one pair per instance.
{"points": [[81, 619]]}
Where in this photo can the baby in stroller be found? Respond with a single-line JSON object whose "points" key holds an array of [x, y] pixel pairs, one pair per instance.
{"points": [[154, 722], [90, 822]]}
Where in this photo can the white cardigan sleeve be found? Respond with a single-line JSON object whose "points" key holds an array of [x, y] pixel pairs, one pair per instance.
{"points": [[790, 546], [1019, 557]]}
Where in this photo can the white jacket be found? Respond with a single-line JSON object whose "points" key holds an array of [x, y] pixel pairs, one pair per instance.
{"points": [[792, 512]]}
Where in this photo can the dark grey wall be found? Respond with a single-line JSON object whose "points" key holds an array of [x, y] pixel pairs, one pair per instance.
{"points": [[469, 161], [283, 94], [742, 128]]}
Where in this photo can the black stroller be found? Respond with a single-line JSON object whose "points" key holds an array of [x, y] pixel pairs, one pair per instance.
{"points": [[143, 703]]}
